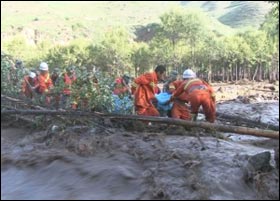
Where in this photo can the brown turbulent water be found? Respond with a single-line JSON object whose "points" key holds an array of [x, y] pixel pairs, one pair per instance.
{"points": [[114, 163]]}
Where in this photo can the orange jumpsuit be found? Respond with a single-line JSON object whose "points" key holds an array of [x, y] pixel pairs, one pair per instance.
{"points": [[27, 91], [144, 88], [199, 93], [44, 84], [68, 80], [179, 109]]}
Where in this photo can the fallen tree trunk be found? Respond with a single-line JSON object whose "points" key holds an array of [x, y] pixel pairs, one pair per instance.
{"points": [[188, 124], [206, 125], [19, 101], [26, 119], [240, 121], [11, 99]]}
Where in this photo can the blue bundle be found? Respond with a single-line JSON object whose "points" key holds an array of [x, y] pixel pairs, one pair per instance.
{"points": [[122, 106], [162, 99]]}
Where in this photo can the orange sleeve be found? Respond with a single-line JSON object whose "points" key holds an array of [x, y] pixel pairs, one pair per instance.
{"points": [[49, 83], [42, 85], [144, 79], [179, 90], [141, 80]]}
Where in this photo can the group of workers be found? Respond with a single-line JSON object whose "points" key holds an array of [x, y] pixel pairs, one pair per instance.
{"points": [[191, 91], [187, 95], [42, 83]]}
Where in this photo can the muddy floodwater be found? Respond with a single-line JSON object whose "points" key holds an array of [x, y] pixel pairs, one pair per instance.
{"points": [[165, 162]]}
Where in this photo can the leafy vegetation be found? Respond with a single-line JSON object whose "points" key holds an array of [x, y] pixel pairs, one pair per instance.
{"points": [[181, 39]]}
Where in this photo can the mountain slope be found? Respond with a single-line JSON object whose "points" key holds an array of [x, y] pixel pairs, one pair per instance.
{"points": [[245, 13], [235, 14], [64, 21]]}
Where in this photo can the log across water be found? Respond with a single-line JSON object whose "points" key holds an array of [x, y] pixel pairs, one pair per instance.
{"points": [[187, 124]]}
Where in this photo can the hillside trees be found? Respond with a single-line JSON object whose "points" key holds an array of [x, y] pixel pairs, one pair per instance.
{"points": [[172, 29], [29, 54], [183, 30], [141, 58], [208, 55], [113, 54], [62, 56], [17, 47], [195, 32], [271, 28], [260, 52], [243, 55], [181, 40]]}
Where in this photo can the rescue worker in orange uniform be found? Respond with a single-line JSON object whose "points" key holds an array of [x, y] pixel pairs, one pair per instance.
{"points": [[198, 92], [29, 85], [179, 109], [69, 77], [121, 86], [56, 80], [44, 81], [144, 88]]}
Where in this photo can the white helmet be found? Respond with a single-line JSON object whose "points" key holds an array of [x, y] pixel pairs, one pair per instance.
{"points": [[32, 75], [189, 74], [44, 66]]}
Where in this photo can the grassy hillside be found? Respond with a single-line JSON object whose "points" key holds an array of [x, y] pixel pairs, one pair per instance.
{"points": [[63, 21], [245, 13], [76, 19], [235, 14]]}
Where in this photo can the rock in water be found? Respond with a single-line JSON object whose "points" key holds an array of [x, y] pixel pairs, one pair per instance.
{"points": [[276, 156], [260, 162]]}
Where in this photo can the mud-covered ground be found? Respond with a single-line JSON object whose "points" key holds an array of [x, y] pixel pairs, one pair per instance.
{"points": [[130, 160]]}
